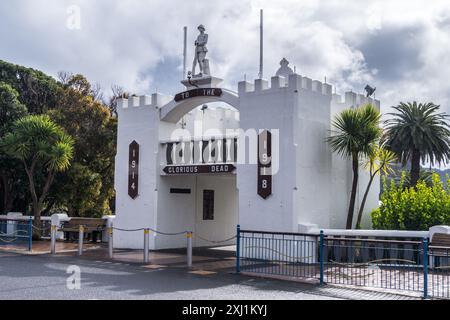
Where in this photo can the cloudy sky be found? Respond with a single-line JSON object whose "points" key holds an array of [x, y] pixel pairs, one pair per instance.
{"points": [[402, 47]]}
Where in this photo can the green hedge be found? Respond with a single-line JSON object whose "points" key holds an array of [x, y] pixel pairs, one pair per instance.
{"points": [[413, 208]]}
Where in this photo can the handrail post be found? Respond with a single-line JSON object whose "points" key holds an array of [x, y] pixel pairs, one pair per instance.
{"points": [[30, 234], [189, 248], [80, 239], [53, 239], [238, 249], [425, 268], [146, 244], [321, 258], [110, 242]]}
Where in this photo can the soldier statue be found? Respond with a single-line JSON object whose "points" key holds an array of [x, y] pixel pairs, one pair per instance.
{"points": [[200, 53]]}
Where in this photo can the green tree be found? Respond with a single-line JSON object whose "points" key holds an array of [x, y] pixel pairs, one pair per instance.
{"points": [[10, 107], [413, 208], [11, 176], [355, 135], [78, 191], [37, 91], [379, 161], [417, 132], [40, 145], [405, 176], [93, 129], [77, 106]]}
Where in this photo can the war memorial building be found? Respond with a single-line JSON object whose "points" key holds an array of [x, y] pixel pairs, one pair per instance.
{"points": [[210, 158]]}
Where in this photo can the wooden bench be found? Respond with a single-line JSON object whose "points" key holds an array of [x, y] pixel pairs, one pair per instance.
{"points": [[439, 250], [93, 227]]}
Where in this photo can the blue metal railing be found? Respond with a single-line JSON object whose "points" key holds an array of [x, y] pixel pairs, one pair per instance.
{"points": [[16, 234], [404, 265], [321, 256], [438, 273], [238, 249], [388, 264], [425, 268], [277, 254]]}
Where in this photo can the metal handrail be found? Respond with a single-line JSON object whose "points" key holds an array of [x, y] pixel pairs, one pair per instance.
{"points": [[280, 233], [372, 240]]}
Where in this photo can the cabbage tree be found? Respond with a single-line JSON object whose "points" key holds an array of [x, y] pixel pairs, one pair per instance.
{"points": [[355, 134], [44, 149]]}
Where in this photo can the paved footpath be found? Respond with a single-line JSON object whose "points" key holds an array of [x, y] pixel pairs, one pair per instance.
{"points": [[45, 277]]}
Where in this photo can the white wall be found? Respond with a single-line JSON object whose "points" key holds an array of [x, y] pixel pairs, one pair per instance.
{"points": [[180, 212], [225, 209], [176, 212], [138, 120], [264, 108], [313, 157]]}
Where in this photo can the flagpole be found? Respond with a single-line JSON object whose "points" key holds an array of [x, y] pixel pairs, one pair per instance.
{"points": [[261, 44]]}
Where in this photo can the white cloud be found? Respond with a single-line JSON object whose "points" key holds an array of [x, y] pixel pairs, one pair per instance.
{"points": [[123, 42]]}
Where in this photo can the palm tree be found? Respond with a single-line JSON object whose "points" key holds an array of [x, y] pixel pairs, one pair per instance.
{"points": [[417, 132], [379, 161], [41, 146], [356, 134]]}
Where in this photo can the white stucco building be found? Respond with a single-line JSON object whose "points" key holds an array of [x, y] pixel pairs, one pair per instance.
{"points": [[181, 167]]}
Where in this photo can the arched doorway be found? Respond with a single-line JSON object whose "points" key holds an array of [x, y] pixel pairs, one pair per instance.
{"points": [[199, 193]]}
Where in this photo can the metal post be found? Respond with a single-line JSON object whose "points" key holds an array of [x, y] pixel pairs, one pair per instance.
{"points": [[425, 268], [30, 234], [184, 51], [80, 239], [261, 44], [189, 248], [53, 239], [110, 242], [321, 243], [146, 244], [238, 249]]}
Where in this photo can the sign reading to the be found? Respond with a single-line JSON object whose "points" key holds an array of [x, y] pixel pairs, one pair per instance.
{"points": [[265, 164], [194, 169], [199, 92], [133, 170]]}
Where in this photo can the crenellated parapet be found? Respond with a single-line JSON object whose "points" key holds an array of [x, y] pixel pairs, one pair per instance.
{"points": [[156, 100], [354, 100], [293, 82]]}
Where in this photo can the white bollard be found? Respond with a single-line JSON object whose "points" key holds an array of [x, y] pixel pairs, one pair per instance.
{"points": [[53, 239], [109, 223], [189, 249], [80, 239], [58, 219], [110, 242], [146, 244]]}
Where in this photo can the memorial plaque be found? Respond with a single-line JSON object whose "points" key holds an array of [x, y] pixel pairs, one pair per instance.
{"points": [[265, 164], [133, 170]]}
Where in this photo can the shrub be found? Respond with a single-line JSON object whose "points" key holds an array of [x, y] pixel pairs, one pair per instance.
{"points": [[409, 208]]}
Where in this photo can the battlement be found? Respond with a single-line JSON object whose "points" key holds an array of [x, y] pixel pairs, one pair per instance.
{"points": [[155, 100], [294, 82], [352, 99]]}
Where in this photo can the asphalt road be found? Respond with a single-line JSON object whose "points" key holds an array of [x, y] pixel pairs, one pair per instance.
{"points": [[45, 277]]}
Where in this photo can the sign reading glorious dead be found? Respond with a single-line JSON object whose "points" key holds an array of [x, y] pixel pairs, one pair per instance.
{"points": [[199, 92], [133, 170], [194, 169]]}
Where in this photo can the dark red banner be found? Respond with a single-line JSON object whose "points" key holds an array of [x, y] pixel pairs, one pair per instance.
{"points": [[133, 170]]}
